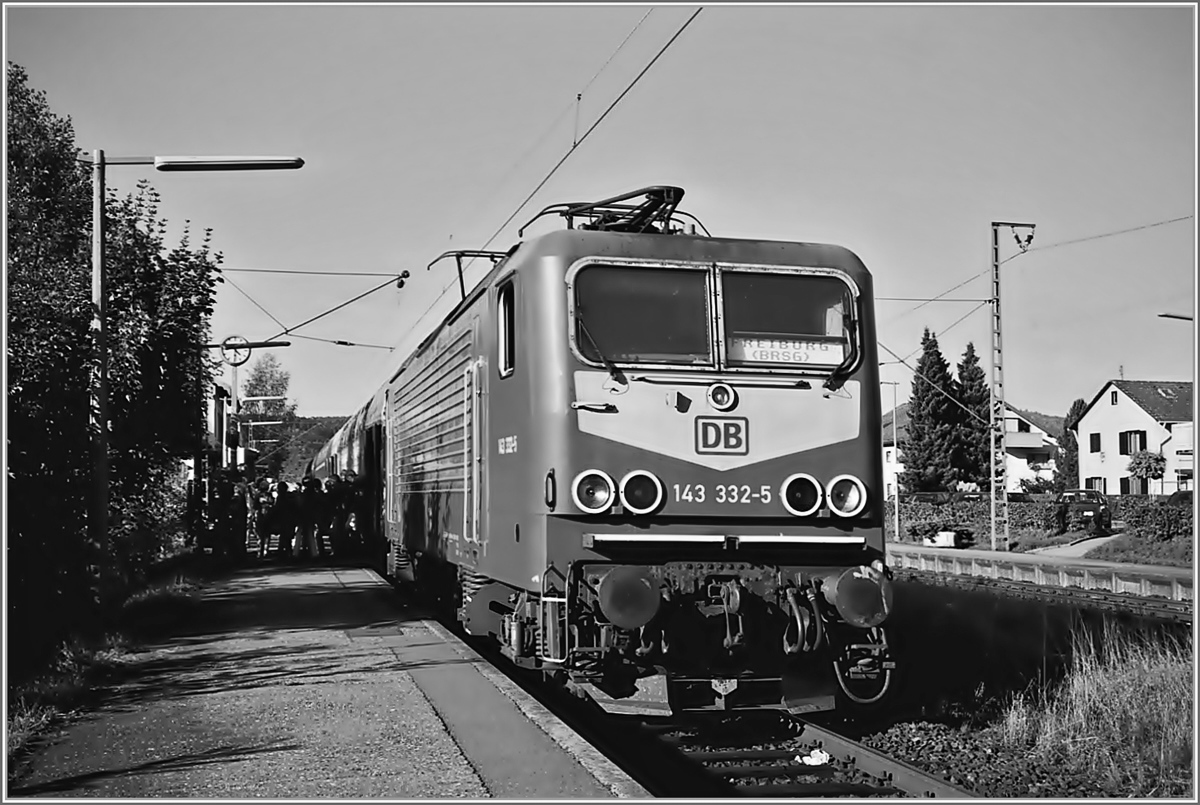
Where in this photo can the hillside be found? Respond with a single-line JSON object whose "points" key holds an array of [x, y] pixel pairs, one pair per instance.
{"points": [[1053, 425]]}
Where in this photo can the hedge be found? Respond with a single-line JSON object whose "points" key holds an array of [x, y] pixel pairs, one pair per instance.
{"points": [[1156, 521]]}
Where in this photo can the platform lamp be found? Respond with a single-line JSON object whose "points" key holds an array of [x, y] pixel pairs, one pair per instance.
{"points": [[98, 511]]}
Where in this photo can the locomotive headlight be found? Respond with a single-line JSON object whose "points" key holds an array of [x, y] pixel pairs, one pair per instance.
{"points": [[641, 492], [847, 495], [801, 494], [721, 396], [593, 491]]}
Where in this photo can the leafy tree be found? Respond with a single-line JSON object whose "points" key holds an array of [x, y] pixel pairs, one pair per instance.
{"points": [[47, 353], [159, 303], [268, 378], [1037, 486], [1147, 465], [932, 423], [1066, 465], [973, 450]]}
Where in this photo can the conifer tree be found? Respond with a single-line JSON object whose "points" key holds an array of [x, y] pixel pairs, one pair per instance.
{"points": [[1066, 465], [932, 422], [972, 455]]}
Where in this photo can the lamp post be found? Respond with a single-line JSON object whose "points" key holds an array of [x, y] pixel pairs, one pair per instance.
{"points": [[98, 514]]}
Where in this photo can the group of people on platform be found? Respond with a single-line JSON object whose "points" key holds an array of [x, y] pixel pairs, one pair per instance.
{"points": [[295, 518]]}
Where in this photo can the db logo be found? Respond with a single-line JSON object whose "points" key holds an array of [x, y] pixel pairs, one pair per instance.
{"points": [[728, 435]]}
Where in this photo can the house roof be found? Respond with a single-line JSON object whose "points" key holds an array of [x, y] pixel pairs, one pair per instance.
{"points": [[1165, 400], [1052, 425]]}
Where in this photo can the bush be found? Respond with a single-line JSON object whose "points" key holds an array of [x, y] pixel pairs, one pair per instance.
{"points": [[1024, 519], [1155, 521]]}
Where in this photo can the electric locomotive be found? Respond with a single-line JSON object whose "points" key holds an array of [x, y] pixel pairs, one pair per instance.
{"points": [[647, 462]]}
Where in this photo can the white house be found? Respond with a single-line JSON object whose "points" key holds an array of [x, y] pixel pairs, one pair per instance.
{"points": [[1031, 448], [1127, 416]]}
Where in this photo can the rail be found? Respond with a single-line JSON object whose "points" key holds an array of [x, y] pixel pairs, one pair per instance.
{"points": [[809, 761]]}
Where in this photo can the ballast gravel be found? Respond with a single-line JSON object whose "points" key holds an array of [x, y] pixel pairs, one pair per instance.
{"points": [[978, 761]]}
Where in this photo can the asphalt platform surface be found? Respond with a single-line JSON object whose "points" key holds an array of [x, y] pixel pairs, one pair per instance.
{"points": [[314, 682]]}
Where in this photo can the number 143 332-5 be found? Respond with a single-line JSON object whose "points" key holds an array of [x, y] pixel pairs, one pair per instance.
{"points": [[721, 493]]}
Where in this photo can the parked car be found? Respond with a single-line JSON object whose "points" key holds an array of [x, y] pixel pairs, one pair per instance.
{"points": [[1089, 503], [959, 497], [1181, 497], [1019, 497]]}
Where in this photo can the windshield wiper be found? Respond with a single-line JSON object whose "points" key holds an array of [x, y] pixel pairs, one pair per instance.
{"points": [[841, 373], [613, 369]]}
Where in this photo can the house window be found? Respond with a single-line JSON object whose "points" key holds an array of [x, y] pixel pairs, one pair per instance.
{"points": [[1095, 442], [1132, 441], [1022, 426], [1134, 486], [1095, 483], [1112, 398], [887, 456], [506, 337], [1183, 479]]}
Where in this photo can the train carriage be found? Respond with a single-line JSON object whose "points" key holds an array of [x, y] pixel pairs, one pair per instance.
{"points": [[647, 462]]}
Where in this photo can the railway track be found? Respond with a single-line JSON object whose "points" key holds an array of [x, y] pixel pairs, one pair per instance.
{"points": [[705, 755], [769, 755], [1150, 607]]}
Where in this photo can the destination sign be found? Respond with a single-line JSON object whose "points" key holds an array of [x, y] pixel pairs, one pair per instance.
{"points": [[786, 350]]}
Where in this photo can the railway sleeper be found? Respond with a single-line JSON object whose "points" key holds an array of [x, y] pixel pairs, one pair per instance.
{"points": [[753, 770]]}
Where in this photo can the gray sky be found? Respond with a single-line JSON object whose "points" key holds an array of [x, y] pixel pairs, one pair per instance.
{"points": [[898, 132]]}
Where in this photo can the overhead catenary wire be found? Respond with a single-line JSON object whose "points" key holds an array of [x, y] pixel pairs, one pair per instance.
{"points": [[290, 441], [938, 388], [957, 322], [254, 302], [558, 165], [291, 330], [391, 274], [904, 361], [335, 309], [1084, 239], [341, 342], [566, 109]]}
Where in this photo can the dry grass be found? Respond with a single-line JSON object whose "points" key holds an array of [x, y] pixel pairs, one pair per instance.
{"points": [[1123, 714], [34, 706]]}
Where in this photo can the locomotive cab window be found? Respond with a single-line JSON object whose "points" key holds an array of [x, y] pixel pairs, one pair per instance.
{"points": [[628, 314], [506, 336], [778, 319]]}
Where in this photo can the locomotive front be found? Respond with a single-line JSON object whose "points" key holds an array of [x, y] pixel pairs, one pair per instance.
{"points": [[719, 542]]}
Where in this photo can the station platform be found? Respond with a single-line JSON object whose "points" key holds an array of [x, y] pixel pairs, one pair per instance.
{"points": [[1174, 583], [315, 682]]}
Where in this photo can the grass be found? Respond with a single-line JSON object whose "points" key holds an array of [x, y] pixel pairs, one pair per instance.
{"points": [[1135, 550], [1122, 714], [36, 705]]}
